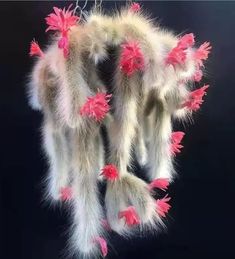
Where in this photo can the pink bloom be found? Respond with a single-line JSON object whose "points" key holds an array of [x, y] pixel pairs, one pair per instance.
{"points": [[195, 98], [66, 193], [132, 58], [202, 53], [176, 138], [61, 20], [130, 216], [35, 50], [163, 206], [186, 41], [197, 77], [135, 7], [103, 245], [176, 56], [160, 183], [96, 107], [110, 172]]}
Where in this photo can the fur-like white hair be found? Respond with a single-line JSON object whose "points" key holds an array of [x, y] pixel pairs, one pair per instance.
{"points": [[143, 107]]}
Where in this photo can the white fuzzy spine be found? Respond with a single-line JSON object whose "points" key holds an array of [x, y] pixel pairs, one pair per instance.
{"points": [[87, 211], [160, 158], [56, 148]]}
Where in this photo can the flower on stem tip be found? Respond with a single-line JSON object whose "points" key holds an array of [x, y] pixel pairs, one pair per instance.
{"points": [[160, 183], [110, 172], [132, 59], [176, 138], [163, 206], [130, 216], [35, 50], [195, 98], [96, 107]]}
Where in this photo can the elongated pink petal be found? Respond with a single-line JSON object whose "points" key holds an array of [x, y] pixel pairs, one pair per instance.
{"points": [[96, 107], [110, 172], [132, 59], [201, 54], [176, 138], [163, 206], [35, 50], [66, 193], [61, 20], [103, 245], [160, 183], [176, 56], [195, 98], [130, 216], [186, 41]]}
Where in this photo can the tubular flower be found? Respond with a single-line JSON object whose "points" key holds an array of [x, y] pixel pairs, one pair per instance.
{"points": [[160, 183], [103, 245], [35, 50], [163, 206], [201, 54], [130, 216], [132, 58], [178, 54], [110, 172], [96, 107], [195, 98], [176, 138], [62, 20]]}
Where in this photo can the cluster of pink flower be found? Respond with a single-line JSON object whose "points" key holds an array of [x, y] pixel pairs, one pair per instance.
{"points": [[130, 215], [178, 55], [97, 106]]}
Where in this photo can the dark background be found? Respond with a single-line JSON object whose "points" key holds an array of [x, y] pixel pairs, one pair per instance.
{"points": [[201, 221]]}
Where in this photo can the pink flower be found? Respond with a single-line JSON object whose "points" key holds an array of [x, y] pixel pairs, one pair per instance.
{"points": [[197, 77], [135, 7], [132, 58], [103, 245], [176, 138], [163, 206], [202, 53], [130, 216], [96, 107], [66, 193], [160, 183], [110, 172], [195, 98], [61, 20], [35, 50], [186, 41], [176, 56]]}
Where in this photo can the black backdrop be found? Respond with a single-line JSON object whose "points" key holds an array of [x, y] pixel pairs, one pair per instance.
{"points": [[201, 221]]}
